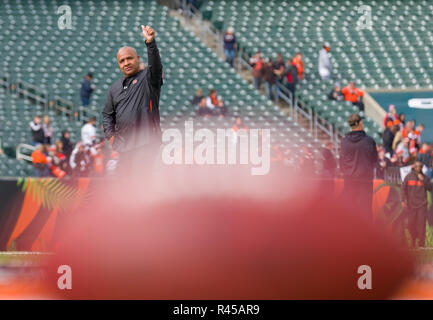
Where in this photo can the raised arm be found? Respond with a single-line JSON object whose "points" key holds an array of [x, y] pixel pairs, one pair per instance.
{"points": [[109, 117], [154, 59]]}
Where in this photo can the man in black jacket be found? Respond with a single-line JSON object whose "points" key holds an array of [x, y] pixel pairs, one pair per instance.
{"points": [[414, 201], [358, 157], [131, 112]]}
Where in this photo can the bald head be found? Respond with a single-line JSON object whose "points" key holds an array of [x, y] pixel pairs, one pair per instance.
{"points": [[128, 60]]}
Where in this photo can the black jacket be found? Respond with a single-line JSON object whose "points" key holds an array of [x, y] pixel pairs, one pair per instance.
{"points": [[388, 138], [131, 112], [358, 156], [414, 190]]}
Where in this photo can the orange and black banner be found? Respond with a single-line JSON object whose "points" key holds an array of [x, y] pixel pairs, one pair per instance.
{"points": [[32, 208]]}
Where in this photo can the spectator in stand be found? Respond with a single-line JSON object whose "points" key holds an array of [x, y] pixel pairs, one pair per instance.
{"points": [[418, 130], [297, 61], [354, 95], [325, 62], [67, 146], [414, 201], [279, 70], [402, 151], [358, 158], [257, 63], [88, 132], [59, 158], [408, 127], [388, 137], [425, 157], [270, 79], [306, 163], [329, 164], [197, 97], [37, 131], [239, 125], [48, 129], [80, 161], [382, 163], [291, 78], [230, 45], [40, 162], [402, 120], [391, 115], [212, 99], [203, 110], [336, 94], [86, 89], [142, 66], [220, 109]]}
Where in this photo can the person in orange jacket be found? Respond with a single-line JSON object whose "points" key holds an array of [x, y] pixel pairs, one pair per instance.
{"points": [[297, 61], [354, 95]]}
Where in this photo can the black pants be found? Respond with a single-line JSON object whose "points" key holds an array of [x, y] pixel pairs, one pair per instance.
{"points": [[416, 223], [292, 88], [360, 105], [358, 197]]}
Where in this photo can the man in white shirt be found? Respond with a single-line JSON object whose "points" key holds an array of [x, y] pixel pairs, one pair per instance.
{"points": [[88, 132], [325, 62]]}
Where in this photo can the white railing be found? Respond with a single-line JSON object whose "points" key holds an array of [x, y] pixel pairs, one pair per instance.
{"points": [[19, 151]]}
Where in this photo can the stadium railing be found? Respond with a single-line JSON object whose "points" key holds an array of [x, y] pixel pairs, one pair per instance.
{"points": [[21, 155], [27, 90]]}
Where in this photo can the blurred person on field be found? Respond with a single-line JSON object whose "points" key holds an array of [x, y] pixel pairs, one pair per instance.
{"points": [[382, 164], [403, 152], [353, 94], [358, 157], [229, 40], [48, 129], [257, 62], [86, 89], [325, 62], [388, 136], [425, 157], [197, 97], [414, 201], [88, 132], [299, 63], [37, 131]]}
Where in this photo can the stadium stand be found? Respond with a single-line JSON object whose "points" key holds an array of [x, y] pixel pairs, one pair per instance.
{"points": [[396, 53], [66, 55]]}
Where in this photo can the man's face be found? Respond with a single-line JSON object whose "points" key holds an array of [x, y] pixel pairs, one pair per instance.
{"points": [[417, 167], [129, 61]]}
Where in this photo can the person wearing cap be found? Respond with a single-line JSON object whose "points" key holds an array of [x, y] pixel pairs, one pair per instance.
{"points": [[414, 201], [325, 62], [86, 89], [358, 157], [336, 94], [230, 45]]}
